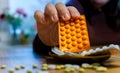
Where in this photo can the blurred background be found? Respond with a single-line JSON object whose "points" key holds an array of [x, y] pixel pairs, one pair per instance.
{"points": [[17, 24]]}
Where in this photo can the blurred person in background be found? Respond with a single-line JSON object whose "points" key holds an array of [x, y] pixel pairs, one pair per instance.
{"points": [[101, 17]]}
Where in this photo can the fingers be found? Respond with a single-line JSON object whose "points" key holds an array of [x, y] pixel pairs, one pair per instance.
{"points": [[62, 11], [51, 12], [73, 12], [39, 16]]}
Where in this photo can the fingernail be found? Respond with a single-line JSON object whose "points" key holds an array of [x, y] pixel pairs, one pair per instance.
{"points": [[55, 18], [66, 17], [76, 14]]}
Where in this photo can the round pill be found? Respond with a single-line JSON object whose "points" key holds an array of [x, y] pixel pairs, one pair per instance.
{"points": [[82, 22], [62, 39], [29, 71], [72, 28], [67, 31], [80, 46], [62, 44], [83, 27], [68, 41], [74, 44], [81, 17], [17, 68], [22, 66], [72, 24], [67, 26], [85, 42], [73, 33], [79, 40], [84, 32], [35, 66], [77, 25], [77, 21], [44, 65], [3, 66], [78, 35], [68, 36], [84, 37], [11, 71], [62, 33], [62, 29], [77, 30], [69, 46], [73, 38]]}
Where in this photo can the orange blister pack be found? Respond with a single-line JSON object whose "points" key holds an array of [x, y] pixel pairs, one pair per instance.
{"points": [[73, 35]]}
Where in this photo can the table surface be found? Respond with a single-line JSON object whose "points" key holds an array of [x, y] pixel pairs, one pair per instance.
{"points": [[25, 56]]}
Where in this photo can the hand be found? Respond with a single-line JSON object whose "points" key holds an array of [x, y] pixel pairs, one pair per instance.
{"points": [[47, 22]]}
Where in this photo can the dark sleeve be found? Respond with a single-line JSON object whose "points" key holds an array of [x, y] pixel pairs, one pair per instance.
{"points": [[39, 47], [77, 4]]}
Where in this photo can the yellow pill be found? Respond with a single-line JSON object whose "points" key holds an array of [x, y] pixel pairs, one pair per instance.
{"points": [[77, 25], [72, 24], [68, 41], [22, 66], [73, 38], [44, 68], [80, 46], [77, 21], [69, 46], [62, 29], [74, 44], [3, 66], [84, 32], [67, 26], [83, 27], [62, 39], [82, 17], [81, 70], [77, 30], [72, 28], [35, 66], [67, 31], [79, 40], [68, 36], [78, 35], [44, 65], [84, 37], [11, 71], [85, 42], [62, 44], [29, 71], [73, 33], [82, 22], [17, 67]]}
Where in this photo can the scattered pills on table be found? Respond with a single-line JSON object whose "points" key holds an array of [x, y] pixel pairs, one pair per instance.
{"points": [[51, 66], [17, 68], [22, 66], [81, 70], [29, 71], [44, 65], [3, 66], [11, 70], [35, 65], [44, 68], [101, 69]]}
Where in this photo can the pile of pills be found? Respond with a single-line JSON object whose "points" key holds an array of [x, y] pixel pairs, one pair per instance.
{"points": [[73, 35], [46, 68], [112, 48]]}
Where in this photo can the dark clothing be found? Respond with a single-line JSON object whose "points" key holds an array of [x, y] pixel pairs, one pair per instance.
{"points": [[102, 26]]}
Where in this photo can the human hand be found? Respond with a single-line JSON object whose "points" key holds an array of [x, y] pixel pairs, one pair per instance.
{"points": [[47, 22]]}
